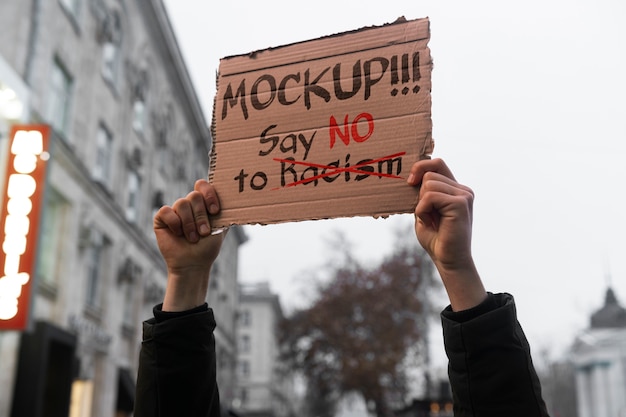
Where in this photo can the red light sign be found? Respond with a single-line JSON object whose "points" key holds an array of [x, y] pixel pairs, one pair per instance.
{"points": [[19, 221]]}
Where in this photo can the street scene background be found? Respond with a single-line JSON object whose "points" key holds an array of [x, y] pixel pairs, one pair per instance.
{"points": [[528, 110]]}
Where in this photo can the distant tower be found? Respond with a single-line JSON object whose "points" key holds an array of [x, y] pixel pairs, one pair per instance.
{"points": [[599, 355], [611, 315]]}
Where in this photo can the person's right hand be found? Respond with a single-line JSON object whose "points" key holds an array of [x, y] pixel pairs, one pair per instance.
{"points": [[443, 225]]}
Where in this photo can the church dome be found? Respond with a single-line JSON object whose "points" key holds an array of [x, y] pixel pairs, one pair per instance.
{"points": [[611, 315]]}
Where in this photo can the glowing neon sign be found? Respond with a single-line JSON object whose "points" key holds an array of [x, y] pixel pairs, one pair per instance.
{"points": [[19, 221]]}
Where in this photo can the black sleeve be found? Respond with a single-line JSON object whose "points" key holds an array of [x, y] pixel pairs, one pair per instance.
{"points": [[177, 374], [490, 366]]}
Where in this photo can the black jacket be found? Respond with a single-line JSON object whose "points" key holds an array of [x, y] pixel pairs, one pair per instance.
{"points": [[176, 375], [490, 368]]}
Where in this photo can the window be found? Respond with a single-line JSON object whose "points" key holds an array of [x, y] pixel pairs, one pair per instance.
{"points": [[245, 318], [128, 275], [110, 58], [60, 99], [139, 115], [128, 314], [95, 264], [161, 129], [104, 151], [111, 49], [139, 87], [244, 369], [163, 159], [158, 201], [132, 205], [245, 343], [51, 241]]}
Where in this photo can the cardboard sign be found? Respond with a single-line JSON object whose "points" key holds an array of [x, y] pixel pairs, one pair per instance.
{"points": [[324, 128]]}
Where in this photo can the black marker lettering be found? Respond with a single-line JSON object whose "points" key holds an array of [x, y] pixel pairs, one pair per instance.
{"points": [[285, 169], [312, 87], [254, 96], [282, 98], [232, 101], [307, 145], [369, 81], [356, 81], [273, 140]]}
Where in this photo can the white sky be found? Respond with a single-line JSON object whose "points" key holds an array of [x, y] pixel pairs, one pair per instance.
{"points": [[529, 109]]}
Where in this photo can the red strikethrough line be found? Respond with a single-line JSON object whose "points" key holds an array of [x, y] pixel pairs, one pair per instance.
{"points": [[337, 170]]}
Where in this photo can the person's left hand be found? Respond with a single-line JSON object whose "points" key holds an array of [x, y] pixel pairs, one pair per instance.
{"points": [[183, 231]]}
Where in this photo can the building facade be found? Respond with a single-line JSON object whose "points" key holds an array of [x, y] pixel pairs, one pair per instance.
{"points": [[127, 136], [223, 298], [265, 387], [599, 358]]}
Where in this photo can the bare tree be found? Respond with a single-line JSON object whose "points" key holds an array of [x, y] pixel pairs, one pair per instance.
{"points": [[356, 335]]}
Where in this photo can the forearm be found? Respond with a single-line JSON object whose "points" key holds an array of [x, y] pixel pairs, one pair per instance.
{"points": [[185, 291], [463, 285], [490, 366]]}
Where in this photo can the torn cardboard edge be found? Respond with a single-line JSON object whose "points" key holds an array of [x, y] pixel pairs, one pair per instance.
{"points": [[274, 163]]}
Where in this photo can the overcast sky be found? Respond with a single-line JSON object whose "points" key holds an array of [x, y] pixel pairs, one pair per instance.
{"points": [[529, 109]]}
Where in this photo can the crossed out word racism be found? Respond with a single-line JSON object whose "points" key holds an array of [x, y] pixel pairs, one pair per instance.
{"points": [[294, 172], [332, 171]]}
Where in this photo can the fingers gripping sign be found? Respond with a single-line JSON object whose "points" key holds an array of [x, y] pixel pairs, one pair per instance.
{"points": [[444, 211], [209, 195], [443, 225], [183, 230]]}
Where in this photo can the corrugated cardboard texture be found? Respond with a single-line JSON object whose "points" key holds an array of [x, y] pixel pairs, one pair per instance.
{"points": [[324, 128]]}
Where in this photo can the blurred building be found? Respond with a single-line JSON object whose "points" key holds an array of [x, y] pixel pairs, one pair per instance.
{"points": [[599, 357], [265, 387], [128, 135], [223, 298]]}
